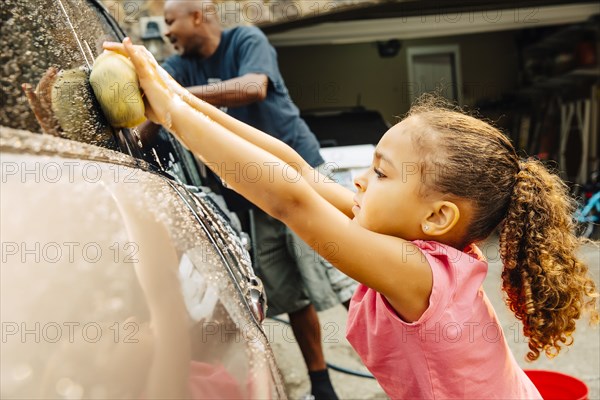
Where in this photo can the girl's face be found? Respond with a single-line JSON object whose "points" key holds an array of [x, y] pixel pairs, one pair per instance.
{"points": [[388, 199]]}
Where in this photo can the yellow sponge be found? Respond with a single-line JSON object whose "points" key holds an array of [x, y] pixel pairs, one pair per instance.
{"points": [[116, 86]]}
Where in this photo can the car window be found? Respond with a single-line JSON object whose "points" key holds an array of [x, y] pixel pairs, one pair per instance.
{"points": [[50, 45], [107, 277], [35, 36]]}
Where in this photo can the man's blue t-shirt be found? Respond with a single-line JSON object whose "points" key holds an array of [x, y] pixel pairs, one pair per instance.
{"points": [[244, 50]]}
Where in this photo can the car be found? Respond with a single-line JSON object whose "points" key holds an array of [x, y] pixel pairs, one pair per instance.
{"points": [[350, 126], [121, 275], [347, 137]]}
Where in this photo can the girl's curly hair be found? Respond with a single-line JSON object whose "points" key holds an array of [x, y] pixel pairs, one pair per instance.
{"points": [[547, 286]]}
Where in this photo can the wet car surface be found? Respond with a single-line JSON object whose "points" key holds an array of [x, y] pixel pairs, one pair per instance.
{"points": [[120, 276]]}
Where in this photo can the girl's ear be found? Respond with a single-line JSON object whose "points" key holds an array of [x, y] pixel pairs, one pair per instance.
{"points": [[443, 217]]}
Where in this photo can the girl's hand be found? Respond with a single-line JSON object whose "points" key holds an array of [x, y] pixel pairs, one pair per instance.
{"points": [[120, 48], [171, 83], [158, 97]]}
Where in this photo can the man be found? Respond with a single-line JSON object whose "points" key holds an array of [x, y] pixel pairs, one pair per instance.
{"points": [[237, 70]]}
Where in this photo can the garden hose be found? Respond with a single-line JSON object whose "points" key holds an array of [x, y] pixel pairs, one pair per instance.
{"points": [[333, 366]]}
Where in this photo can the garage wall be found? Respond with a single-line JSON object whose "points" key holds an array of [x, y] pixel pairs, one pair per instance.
{"points": [[337, 75]]}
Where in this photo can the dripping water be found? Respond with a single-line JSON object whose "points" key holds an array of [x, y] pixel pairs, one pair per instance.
{"points": [[68, 20]]}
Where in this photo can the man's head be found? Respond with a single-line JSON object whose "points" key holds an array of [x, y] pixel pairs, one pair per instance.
{"points": [[192, 27]]}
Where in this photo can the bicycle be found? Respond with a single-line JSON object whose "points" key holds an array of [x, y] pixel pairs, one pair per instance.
{"points": [[587, 214]]}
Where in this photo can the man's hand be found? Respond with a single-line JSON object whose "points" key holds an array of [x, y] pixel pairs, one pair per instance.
{"points": [[40, 101]]}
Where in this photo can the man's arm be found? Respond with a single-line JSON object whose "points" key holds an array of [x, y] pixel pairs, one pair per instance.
{"points": [[236, 92]]}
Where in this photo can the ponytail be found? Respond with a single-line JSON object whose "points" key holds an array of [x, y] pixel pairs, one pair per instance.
{"points": [[548, 287]]}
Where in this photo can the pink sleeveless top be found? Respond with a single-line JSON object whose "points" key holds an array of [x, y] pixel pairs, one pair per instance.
{"points": [[455, 350]]}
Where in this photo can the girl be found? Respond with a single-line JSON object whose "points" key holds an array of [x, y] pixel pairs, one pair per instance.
{"points": [[440, 182]]}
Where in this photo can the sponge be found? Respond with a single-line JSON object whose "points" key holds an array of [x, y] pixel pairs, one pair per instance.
{"points": [[117, 89], [75, 108]]}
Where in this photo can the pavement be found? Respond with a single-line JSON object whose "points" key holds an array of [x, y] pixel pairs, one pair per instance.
{"points": [[581, 360]]}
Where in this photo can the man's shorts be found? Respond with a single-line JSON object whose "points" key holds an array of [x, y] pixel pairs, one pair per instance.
{"points": [[292, 273]]}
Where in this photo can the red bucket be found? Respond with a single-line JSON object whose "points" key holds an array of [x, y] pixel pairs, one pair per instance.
{"points": [[557, 386]]}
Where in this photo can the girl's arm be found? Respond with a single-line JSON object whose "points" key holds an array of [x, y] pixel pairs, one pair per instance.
{"points": [[336, 194], [389, 265]]}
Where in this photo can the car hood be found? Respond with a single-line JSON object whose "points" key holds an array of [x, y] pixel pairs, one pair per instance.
{"points": [[110, 271]]}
